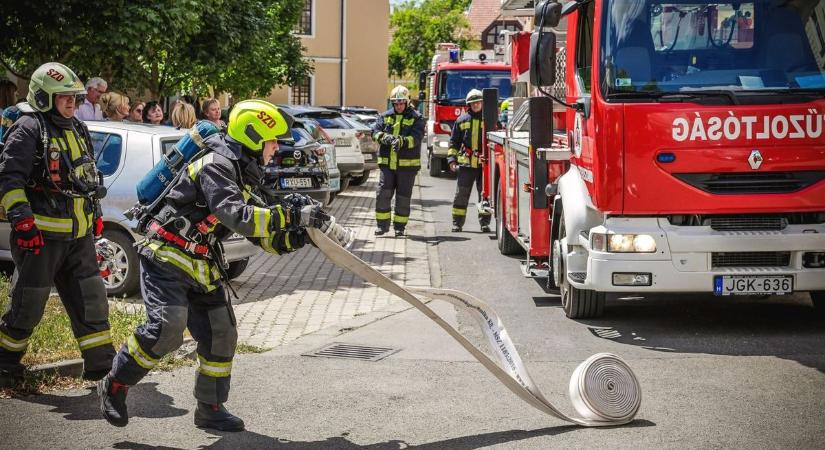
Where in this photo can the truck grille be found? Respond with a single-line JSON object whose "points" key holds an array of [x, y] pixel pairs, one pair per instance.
{"points": [[752, 182], [751, 259], [747, 223]]}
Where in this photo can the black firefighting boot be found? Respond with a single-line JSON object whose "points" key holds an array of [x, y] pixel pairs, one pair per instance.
{"points": [[485, 228], [112, 395], [456, 228], [11, 375], [217, 418], [399, 232]]}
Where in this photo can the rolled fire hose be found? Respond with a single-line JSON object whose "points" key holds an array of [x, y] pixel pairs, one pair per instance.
{"points": [[603, 389]]}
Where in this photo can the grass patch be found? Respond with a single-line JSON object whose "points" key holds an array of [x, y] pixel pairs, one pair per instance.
{"points": [[246, 348]]}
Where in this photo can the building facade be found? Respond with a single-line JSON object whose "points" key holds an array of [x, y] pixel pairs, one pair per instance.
{"points": [[346, 40]]}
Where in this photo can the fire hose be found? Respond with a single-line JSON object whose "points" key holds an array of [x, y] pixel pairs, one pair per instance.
{"points": [[603, 389]]}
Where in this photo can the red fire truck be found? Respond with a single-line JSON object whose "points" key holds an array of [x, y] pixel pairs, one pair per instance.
{"points": [[691, 157], [444, 88]]}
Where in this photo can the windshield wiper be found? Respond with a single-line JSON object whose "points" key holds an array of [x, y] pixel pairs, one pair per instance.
{"points": [[676, 97]]}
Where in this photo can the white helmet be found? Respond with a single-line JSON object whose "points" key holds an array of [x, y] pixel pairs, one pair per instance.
{"points": [[474, 96], [400, 93]]}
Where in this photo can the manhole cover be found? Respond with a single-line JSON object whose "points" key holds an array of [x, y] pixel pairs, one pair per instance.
{"points": [[353, 351]]}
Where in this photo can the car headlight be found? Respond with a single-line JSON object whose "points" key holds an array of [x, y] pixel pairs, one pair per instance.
{"points": [[623, 243]]}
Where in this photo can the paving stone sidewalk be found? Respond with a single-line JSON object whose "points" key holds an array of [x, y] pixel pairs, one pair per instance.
{"points": [[283, 298]]}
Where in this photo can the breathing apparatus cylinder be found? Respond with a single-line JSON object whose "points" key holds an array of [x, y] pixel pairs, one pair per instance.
{"points": [[173, 160]]}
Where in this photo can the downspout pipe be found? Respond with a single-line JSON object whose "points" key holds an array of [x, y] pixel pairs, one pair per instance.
{"points": [[341, 54]]}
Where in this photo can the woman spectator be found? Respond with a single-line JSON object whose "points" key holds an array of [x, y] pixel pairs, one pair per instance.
{"points": [[153, 113], [212, 112], [183, 116], [115, 106], [136, 112]]}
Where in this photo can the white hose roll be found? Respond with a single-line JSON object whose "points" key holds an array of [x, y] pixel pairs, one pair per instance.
{"points": [[603, 389]]}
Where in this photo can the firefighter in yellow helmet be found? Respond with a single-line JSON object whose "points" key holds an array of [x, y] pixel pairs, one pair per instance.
{"points": [[49, 192], [182, 279], [465, 157], [399, 131]]}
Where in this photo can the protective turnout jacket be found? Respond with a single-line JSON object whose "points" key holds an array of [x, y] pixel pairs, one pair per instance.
{"points": [[409, 126], [31, 178], [206, 205], [465, 142]]}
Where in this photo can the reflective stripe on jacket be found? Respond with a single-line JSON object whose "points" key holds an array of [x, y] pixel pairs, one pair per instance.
{"points": [[409, 127], [466, 140]]}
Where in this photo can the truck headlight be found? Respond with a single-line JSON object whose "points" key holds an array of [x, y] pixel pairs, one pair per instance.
{"points": [[623, 243]]}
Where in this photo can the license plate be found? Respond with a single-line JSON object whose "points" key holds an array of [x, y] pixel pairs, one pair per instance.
{"points": [[752, 284], [296, 183], [367, 156]]}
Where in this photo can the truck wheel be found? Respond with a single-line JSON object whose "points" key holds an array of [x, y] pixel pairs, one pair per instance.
{"points": [[818, 299], [577, 303], [124, 267], [236, 268], [507, 244], [358, 181], [435, 165]]}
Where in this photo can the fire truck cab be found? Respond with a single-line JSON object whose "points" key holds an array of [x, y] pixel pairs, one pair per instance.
{"points": [[695, 153]]}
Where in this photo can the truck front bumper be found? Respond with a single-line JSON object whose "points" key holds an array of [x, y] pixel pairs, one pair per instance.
{"points": [[684, 258]]}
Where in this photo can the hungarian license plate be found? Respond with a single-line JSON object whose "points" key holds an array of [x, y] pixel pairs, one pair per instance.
{"points": [[291, 183], [752, 284]]}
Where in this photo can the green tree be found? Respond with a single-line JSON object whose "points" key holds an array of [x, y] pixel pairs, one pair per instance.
{"points": [[420, 25], [240, 46]]}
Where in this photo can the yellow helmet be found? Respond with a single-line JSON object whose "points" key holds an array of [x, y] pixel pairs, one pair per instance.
{"points": [[400, 93], [253, 122], [49, 80]]}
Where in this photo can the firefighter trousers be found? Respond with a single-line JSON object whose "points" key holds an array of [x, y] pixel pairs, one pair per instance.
{"points": [[71, 266], [174, 302], [400, 184], [467, 177]]}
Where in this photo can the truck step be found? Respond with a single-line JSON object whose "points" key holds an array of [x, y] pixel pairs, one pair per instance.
{"points": [[533, 269]]}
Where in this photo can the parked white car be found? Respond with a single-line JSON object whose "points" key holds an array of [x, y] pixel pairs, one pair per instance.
{"points": [[125, 152]]}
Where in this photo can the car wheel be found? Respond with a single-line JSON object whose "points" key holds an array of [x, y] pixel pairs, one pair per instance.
{"points": [[358, 181], [123, 264], [577, 303], [507, 244], [236, 268]]}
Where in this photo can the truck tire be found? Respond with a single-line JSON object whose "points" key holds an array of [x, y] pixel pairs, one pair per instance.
{"points": [[125, 277], [577, 303], [236, 268], [435, 164], [358, 181], [507, 244]]}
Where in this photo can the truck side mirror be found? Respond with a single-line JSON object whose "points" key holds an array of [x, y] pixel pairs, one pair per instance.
{"points": [[548, 13], [489, 108], [542, 59], [422, 80]]}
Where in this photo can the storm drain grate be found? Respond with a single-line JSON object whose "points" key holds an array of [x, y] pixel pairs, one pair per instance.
{"points": [[353, 351]]}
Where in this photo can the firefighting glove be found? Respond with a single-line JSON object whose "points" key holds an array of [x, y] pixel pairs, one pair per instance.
{"points": [[389, 139], [288, 241], [312, 216], [27, 235], [98, 227]]}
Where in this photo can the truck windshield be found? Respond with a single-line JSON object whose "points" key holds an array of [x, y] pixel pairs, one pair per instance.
{"points": [[651, 48], [453, 85]]}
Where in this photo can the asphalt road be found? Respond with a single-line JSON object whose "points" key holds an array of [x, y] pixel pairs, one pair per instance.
{"points": [[744, 372]]}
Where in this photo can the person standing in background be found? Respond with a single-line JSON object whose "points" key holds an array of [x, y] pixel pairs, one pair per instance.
{"points": [[183, 116], [115, 106], [136, 112], [90, 109], [153, 113]]}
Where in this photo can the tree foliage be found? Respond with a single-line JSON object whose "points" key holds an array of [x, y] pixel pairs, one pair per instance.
{"points": [[420, 25], [240, 46]]}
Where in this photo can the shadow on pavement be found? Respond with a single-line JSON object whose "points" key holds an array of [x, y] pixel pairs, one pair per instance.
{"points": [[437, 239], [251, 439], [144, 401], [784, 327]]}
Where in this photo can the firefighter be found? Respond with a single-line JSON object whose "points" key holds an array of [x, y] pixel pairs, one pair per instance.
{"points": [[465, 156], [182, 276], [49, 191], [399, 131]]}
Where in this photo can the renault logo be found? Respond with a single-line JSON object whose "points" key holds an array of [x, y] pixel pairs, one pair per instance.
{"points": [[755, 159]]}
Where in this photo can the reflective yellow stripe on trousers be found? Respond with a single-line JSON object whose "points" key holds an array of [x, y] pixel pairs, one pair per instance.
{"points": [[213, 368]]}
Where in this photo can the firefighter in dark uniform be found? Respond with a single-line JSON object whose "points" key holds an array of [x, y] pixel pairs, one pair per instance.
{"points": [[181, 262], [49, 192], [399, 131], [465, 156]]}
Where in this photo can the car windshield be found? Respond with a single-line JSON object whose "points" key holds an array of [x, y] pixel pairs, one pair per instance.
{"points": [[453, 85], [330, 120], [690, 46]]}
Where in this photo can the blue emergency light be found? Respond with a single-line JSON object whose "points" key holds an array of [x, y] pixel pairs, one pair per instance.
{"points": [[453, 55]]}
